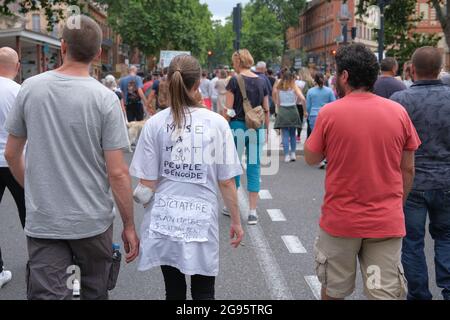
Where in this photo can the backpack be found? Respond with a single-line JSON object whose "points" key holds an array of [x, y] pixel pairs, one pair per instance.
{"points": [[163, 94], [133, 95]]}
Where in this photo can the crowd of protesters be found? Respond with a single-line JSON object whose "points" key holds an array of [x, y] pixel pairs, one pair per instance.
{"points": [[386, 142]]}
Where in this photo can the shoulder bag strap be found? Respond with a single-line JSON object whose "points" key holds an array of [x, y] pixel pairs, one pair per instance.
{"points": [[246, 102]]}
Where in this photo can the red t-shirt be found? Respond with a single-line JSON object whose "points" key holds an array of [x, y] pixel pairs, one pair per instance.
{"points": [[363, 137]]}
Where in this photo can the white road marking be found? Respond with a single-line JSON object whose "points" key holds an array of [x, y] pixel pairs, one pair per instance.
{"points": [[276, 215], [293, 244], [277, 284], [315, 285], [265, 195]]}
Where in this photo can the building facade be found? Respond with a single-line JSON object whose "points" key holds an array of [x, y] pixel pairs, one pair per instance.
{"points": [[39, 48], [320, 29]]}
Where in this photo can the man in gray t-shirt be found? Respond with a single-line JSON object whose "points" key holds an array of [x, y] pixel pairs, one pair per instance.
{"points": [[387, 84], [75, 132]]}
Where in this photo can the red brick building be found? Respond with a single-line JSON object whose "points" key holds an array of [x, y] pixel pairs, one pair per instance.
{"points": [[319, 32]]}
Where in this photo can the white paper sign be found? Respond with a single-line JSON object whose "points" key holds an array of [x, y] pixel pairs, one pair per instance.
{"points": [[183, 154], [180, 218]]}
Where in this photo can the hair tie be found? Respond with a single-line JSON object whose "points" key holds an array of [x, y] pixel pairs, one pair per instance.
{"points": [[177, 70]]}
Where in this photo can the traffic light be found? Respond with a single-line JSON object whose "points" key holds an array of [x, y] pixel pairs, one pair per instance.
{"points": [[210, 53], [333, 52]]}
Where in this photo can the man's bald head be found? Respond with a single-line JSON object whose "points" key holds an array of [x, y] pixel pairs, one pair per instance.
{"points": [[9, 62]]}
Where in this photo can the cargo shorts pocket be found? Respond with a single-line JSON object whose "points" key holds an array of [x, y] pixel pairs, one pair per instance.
{"points": [[113, 274], [403, 287], [321, 267]]}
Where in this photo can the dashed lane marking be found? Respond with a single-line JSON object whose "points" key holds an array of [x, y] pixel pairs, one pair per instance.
{"points": [[275, 280], [276, 215], [293, 244], [315, 285], [265, 195]]}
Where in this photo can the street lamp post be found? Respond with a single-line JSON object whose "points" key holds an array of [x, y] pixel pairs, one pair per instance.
{"points": [[382, 5], [325, 43]]}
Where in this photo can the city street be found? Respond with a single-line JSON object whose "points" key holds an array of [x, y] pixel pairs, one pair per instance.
{"points": [[275, 262]]}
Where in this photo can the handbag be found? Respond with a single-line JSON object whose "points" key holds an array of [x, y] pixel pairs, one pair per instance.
{"points": [[254, 117]]}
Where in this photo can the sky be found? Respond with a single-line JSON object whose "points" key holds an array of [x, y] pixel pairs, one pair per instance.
{"points": [[222, 8]]}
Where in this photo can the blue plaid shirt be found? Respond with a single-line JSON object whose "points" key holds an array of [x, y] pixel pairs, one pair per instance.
{"points": [[428, 105]]}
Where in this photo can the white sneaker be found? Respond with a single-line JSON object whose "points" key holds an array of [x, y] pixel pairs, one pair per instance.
{"points": [[287, 158], [5, 277], [293, 157]]}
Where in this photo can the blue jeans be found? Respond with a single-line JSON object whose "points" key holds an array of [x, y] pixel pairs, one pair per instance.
{"points": [[253, 142], [289, 134], [437, 204], [312, 122]]}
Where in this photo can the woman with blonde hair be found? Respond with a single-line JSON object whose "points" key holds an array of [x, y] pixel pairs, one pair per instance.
{"points": [[185, 155], [288, 119], [249, 139]]}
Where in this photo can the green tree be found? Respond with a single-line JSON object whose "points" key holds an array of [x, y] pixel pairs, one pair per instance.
{"points": [[151, 25], [286, 11], [222, 43], [443, 13], [262, 33]]}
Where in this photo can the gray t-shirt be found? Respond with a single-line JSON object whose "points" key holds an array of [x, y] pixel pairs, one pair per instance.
{"points": [[69, 122], [386, 86]]}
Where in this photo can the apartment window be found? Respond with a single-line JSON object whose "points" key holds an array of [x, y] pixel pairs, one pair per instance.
{"points": [[424, 11], [433, 14], [36, 22], [55, 32]]}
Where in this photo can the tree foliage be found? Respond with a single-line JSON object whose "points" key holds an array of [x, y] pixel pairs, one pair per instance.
{"points": [[401, 19], [151, 25], [262, 33], [222, 43], [286, 11]]}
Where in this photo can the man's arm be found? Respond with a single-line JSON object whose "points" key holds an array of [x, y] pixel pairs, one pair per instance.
{"points": [[142, 95], [408, 172], [313, 158], [229, 194], [14, 157], [120, 181]]}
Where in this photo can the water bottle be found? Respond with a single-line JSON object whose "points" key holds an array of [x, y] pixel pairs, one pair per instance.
{"points": [[117, 256], [115, 267]]}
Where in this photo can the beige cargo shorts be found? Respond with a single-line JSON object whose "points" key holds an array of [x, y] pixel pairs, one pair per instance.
{"points": [[380, 261]]}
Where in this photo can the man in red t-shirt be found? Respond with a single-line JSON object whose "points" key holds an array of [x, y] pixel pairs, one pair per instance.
{"points": [[369, 143]]}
